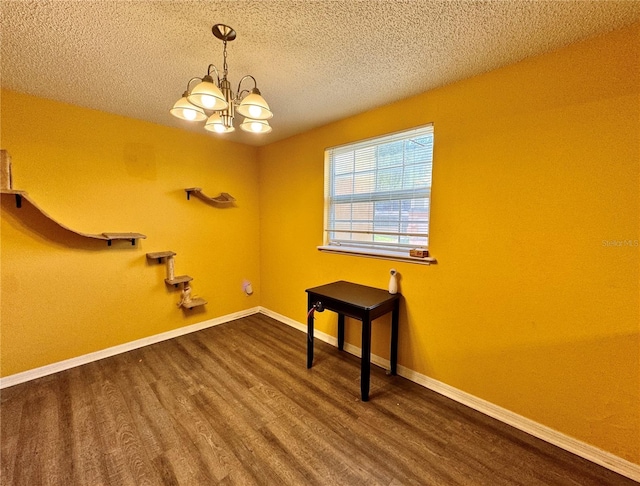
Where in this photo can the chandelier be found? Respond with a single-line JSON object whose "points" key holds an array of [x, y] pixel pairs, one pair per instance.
{"points": [[214, 95]]}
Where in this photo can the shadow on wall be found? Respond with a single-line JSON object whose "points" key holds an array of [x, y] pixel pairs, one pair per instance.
{"points": [[30, 219]]}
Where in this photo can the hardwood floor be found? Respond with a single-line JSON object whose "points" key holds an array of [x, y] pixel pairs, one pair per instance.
{"points": [[235, 404]]}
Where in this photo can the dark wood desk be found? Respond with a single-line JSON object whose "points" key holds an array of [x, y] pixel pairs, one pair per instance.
{"points": [[360, 302]]}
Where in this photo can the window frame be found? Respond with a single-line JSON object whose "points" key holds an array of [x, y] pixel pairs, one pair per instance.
{"points": [[417, 193]]}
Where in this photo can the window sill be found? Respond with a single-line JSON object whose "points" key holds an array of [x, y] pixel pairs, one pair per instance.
{"points": [[380, 254]]}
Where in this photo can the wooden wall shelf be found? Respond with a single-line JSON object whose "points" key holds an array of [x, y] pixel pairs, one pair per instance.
{"points": [[186, 301], [196, 302], [175, 281], [6, 187], [159, 255], [224, 199], [108, 236]]}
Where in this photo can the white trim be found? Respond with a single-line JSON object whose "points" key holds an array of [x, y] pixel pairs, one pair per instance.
{"points": [[28, 375], [300, 327], [575, 446], [376, 253], [568, 443]]}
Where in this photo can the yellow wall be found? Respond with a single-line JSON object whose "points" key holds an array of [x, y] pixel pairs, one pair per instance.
{"points": [[64, 296], [535, 166]]}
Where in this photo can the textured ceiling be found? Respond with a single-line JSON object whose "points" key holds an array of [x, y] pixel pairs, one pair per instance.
{"points": [[315, 61]]}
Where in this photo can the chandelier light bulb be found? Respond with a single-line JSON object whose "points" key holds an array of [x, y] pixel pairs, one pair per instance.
{"points": [[216, 124], [255, 126], [208, 102], [255, 111], [189, 114], [186, 111], [254, 106], [207, 95]]}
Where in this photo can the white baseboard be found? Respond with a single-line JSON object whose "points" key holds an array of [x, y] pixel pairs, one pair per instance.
{"points": [[568, 443], [12, 380], [300, 327], [577, 447], [582, 449]]}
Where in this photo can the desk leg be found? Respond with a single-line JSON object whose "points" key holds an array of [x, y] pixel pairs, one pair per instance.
{"points": [[340, 332], [366, 359], [393, 354], [309, 333]]}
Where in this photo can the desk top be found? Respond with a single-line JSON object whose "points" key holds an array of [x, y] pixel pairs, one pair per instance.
{"points": [[357, 295]]}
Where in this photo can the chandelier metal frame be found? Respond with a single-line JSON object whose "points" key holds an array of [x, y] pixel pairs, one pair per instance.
{"points": [[216, 96]]}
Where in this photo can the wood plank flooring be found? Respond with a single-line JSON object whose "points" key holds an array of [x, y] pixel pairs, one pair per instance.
{"points": [[235, 404]]}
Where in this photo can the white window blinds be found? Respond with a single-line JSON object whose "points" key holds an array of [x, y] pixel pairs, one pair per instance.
{"points": [[377, 192]]}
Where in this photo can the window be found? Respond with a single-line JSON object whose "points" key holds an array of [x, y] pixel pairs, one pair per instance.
{"points": [[377, 194]]}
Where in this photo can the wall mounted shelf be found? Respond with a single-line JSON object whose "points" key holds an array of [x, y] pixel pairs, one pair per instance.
{"points": [[6, 187], [186, 301], [175, 281], [195, 302], [159, 255], [224, 199], [22, 196]]}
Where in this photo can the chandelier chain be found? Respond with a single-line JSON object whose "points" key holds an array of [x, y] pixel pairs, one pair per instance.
{"points": [[225, 67]]}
